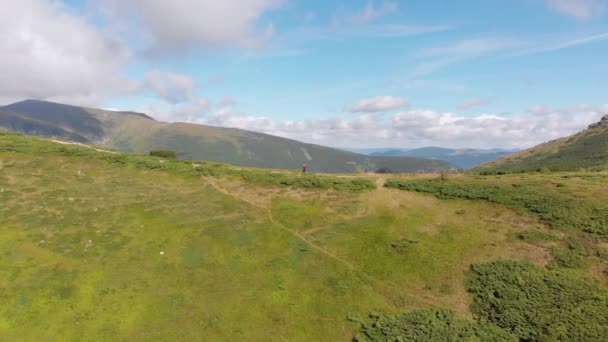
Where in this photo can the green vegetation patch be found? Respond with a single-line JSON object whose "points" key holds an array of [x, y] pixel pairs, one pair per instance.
{"points": [[539, 305], [558, 209], [534, 236], [12, 142], [168, 154], [429, 325]]}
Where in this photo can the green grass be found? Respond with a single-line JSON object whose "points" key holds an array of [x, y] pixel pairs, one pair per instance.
{"points": [[556, 203], [226, 273], [99, 246], [11, 142]]}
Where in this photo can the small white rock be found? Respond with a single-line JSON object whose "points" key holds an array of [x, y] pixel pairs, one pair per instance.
{"points": [[162, 253]]}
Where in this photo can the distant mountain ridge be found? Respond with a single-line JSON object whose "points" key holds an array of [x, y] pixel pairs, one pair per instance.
{"points": [[463, 158], [587, 149], [140, 133]]}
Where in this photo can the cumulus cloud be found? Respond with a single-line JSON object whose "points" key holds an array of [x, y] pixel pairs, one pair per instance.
{"points": [[50, 52], [171, 87], [579, 9], [416, 128], [474, 103], [195, 110], [366, 15], [171, 26], [228, 101], [379, 104]]}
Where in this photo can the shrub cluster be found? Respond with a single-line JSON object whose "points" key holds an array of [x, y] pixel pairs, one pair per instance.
{"points": [[512, 301], [167, 154], [556, 209], [429, 325], [539, 305]]}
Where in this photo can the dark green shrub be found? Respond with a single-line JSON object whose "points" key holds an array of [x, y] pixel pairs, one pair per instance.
{"points": [[429, 325], [167, 154], [384, 170], [557, 209], [536, 235], [539, 305]]}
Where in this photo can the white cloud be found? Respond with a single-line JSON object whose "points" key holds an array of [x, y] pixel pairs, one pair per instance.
{"points": [[564, 44], [491, 130], [366, 15], [171, 87], [379, 104], [50, 52], [473, 103], [320, 33], [194, 110], [579, 9], [416, 128], [172, 26], [228, 101], [470, 47], [441, 56]]}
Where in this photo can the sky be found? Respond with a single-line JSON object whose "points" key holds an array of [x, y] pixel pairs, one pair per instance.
{"points": [[357, 73]]}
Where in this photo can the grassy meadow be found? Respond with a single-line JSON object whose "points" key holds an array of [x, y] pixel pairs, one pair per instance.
{"points": [[107, 246]]}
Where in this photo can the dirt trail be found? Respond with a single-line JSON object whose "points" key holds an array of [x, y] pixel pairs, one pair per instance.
{"points": [[279, 224], [380, 181], [419, 299], [79, 144]]}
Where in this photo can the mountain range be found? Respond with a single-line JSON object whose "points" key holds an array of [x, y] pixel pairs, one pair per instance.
{"points": [[464, 158], [139, 133]]}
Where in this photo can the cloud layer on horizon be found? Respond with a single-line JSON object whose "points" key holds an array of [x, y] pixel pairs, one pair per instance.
{"points": [[379, 104], [417, 127]]}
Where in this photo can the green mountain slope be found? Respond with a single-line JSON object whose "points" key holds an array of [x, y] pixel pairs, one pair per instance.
{"points": [[101, 245], [587, 149], [135, 132]]}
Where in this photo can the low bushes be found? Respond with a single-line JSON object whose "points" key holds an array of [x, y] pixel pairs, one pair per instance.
{"points": [[556, 209], [429, 325], [539, 305], [167, 154], [512, 301]]}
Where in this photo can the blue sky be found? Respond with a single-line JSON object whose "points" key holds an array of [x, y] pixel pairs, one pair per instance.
{"points": [[481, 73]]}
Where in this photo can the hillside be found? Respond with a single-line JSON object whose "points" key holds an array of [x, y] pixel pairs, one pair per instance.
{"points": [[99, 245], [135, 132], [587, 149], [463, 158]]}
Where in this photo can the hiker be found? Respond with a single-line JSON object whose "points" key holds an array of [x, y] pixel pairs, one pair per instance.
{"points": [[304, 168]]}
